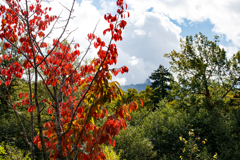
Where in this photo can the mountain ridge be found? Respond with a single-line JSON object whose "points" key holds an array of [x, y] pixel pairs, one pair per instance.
{"points": [[138, 87]]}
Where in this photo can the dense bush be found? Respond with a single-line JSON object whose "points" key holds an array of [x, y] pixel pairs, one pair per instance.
{"points": [[134, 145], [163, 127]]}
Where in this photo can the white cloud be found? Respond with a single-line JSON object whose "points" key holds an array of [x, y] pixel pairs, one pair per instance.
{"points": [[121, 81], [223, 14], [133, 61], [230, 50], [139, 32]]}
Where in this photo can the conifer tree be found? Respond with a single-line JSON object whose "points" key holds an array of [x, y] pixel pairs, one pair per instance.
{"points": [[161, 79]]}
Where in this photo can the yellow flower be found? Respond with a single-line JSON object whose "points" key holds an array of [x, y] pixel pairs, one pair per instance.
{"points": [[191, 133], [181, 157], [203, 142], [184, 150], [215, 156], [181, 138]]}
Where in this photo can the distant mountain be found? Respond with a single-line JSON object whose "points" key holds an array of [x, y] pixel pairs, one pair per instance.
{"points": [[138, 87]]}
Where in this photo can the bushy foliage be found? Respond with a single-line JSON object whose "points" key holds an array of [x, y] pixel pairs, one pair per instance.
{"points": [[134, 145], [8, 152], [163, 128], [157, 133]]}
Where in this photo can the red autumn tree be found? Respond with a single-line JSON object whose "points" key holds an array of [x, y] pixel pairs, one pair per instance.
{"points": [[77, 94]]}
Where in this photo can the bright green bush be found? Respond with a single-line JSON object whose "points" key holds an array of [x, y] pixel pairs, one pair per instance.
{"points": [[8, 152], [134, 145]]}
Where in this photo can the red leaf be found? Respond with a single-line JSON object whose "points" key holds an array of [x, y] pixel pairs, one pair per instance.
{"points": [[111, 26], [31, 109], [7, 83], [103, 44], [112, 142], [99, 40], [122, 24], [6, 45], [106, 30], [25, 95], [50, 110], [20, 95], [76, 45], [41, 34], [141, 102], [43, 45], [91, 36], [124, 69], [95, 45]]}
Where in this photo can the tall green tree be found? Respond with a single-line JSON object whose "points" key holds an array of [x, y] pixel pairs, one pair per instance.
{"points": [[203, 68], [161, 79], [9, 125]]}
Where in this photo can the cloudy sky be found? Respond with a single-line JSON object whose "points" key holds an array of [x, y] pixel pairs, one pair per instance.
{"points": [[154, 28]]}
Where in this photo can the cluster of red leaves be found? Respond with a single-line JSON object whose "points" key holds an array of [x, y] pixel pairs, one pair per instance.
{"points": [[25, 101], [11, 70], [12, 29], [58, 69]]}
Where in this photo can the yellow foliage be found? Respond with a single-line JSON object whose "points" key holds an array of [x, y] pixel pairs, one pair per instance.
{"points": [[110, 153]]}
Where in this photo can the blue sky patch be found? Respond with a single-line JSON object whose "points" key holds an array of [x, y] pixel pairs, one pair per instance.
{"points": [[191, 28]]}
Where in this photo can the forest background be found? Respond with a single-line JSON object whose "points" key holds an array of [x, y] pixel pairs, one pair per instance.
{"points": [[195, 116]]}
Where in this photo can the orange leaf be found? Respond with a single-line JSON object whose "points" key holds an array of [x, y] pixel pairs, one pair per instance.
{"points": [[141, 102]]}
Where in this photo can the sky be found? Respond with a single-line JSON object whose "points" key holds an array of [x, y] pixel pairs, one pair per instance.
{"points": [[153, 29]]}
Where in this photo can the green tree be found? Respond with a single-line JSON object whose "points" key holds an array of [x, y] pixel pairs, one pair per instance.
{"points": [[202, 68], [161, 83], [11, 131]]}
